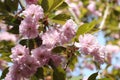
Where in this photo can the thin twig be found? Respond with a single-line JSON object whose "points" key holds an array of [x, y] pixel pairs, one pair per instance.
{"points": [[21, 5], [19, 12], [104, 18]]}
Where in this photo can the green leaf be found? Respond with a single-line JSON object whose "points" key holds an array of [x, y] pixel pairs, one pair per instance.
{"points": [[14, 30], [4, 73], [86, 28], [59, 74], [34, 78], [45, 5], [97, 65], [14, 4], [58, 49], [27, 42], [93, 76], [39, 2], [91, 27], [31, 43], [73, 61], [63, 5], [58, 21], [6, 57], [51, 2], [50, 5], [56, 4], [6, 5], [39, 74], [12, 21], [5, 49], [38, 41], [62, 17]]}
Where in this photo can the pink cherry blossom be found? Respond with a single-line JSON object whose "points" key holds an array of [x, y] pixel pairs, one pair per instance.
{"points": [[14, 73], [24, 68], [31, 2], [51, 38], [98, 13], [19, 52], [80, 4], [112, 48], [117, 66], [3, 64], [114, 35], [68, 31], [28, 28], [34, 11], [85, 78], [92, 8], [60, 35], [29, 66], [89, 65], [99, 55], [42, 54], [57, 59], [88, 45], [3, 26], [7, 36]]}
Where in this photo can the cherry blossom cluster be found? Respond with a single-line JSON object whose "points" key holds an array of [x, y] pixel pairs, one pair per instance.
{"points": [[28, 27], [88, 45], [26, 61], [7, 36], [24, 65]]}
